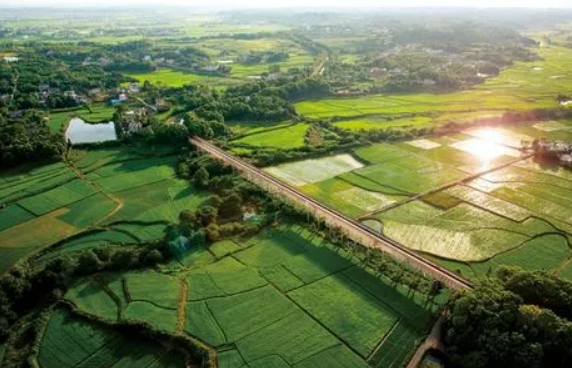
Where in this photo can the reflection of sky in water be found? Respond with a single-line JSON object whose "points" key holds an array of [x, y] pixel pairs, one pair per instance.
{"points": [[81, 132], [499, 136], [485, 148]]}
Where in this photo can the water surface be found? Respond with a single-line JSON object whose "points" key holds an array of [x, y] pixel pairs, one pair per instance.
{"points": [[81, 132]]}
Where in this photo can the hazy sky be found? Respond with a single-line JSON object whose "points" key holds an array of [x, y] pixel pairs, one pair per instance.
{"points": [[292, 3]]}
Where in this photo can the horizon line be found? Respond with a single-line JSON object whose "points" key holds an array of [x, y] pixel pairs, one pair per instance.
{"points": [[405, 7]]}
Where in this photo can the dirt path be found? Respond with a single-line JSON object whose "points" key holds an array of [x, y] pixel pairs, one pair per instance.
{"points": [[433, 341], [15, 89], [182, 307]]}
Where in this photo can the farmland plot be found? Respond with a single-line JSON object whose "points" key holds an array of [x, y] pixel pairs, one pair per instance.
{"points": [[284, 138], [379, 153], [424, 144], [17, 242], [87, 296], [488, 202], [398, 348], [155, 288], [368, 201], [408, 177], [69, 342], [373, 123], [546, 253], [59, 197], [21, 185], [314, 170], [14, 215], [465, 232], [349, 198], [162, 318], [342, 316]]}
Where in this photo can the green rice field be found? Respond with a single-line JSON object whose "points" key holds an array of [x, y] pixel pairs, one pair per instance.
{"points": [[52, 207], [280, 137], [70, 342], [285, 286], [173, 78], [470, 201]]}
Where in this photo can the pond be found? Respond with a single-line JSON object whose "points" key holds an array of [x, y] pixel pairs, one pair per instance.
{"points": [[81, 132]]}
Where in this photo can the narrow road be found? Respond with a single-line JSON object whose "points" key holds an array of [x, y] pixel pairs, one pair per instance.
{"points": [[15, 89], [318, 70], [433, 342], [355, 230], [182, 307]]}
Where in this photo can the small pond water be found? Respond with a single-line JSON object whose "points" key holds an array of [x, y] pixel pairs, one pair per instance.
{"points": [[81, 132]]}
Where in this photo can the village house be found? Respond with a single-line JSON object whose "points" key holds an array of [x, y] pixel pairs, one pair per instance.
{"points": [[71, 94], [133, 88], [210, 68], [273, 76], [429, 82], [94, 91]]}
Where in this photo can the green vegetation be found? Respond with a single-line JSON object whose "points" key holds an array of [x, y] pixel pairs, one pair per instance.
{"points": [[283, 138], [70, 342], [234, 300], [535, 318], [173, 78], [332, 302]]}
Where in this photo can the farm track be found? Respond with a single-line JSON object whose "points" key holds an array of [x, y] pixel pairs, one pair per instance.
{"points": [[354, 229], [433, 341], [119, 203], [182, 307]]}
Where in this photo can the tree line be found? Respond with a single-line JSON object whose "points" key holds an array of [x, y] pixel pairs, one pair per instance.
{"points": [[516, 319], [28, 139]]}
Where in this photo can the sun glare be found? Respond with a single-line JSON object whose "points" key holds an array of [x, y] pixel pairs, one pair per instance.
{"points": [[489, 135], [485, 148]]}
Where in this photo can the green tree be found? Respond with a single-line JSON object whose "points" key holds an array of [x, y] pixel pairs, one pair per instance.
{"points": [[231, 206], [201, 178], [208, 215]]}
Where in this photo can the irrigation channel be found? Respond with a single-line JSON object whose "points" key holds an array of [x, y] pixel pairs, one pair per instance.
{"points": [[355, 230]]}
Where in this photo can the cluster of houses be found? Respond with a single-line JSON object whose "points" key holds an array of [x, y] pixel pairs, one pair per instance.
{"points": [[133, 120], [558, 151]]}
